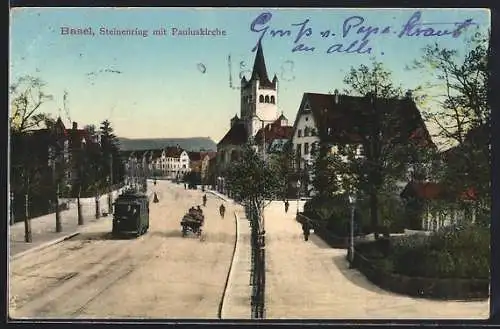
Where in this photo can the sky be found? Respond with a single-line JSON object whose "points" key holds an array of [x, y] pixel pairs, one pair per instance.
{"points": [[180, 86]]}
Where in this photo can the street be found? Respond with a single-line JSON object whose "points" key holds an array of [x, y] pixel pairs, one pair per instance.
{"points": [[312, 280], [158, 275]]}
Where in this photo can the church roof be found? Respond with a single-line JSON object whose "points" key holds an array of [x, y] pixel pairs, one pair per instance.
{"points": [[237, 135], [259, 71]]}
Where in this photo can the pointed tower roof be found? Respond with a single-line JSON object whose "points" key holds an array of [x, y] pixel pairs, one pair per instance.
{"points": [[282, 116], [259, 71]]}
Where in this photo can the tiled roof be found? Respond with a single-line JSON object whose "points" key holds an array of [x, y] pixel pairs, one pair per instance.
{"points": [[195, 156], [272, 132], [345, 117], [173, 152], [237, 135], [435, 191]]}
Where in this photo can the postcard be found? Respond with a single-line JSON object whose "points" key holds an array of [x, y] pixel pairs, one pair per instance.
{"points": [[249, 163]]}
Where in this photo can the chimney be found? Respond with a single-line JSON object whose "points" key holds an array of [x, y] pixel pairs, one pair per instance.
{"points": [[336, 93], [75, 125]]}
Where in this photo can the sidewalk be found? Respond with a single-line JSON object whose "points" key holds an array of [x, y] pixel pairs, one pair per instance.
{"points": [[43, 228], [312, 280], [238, 294]]}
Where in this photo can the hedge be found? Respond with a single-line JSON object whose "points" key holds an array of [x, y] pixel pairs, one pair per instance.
{"points": [[451, 263], [437, 288]]}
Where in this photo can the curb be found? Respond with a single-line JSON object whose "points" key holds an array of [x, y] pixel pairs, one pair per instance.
{"points": [[230, 274], [220, 196], [44, 245]]}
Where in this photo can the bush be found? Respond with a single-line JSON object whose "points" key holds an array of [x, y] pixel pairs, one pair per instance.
{"points": [[334, 214], [454, 252]]}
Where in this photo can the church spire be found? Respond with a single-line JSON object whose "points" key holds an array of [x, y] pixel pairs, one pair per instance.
{"points": [[259, 67]]}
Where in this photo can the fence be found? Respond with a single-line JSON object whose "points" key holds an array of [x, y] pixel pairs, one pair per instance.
{"points": [[258, 260]]}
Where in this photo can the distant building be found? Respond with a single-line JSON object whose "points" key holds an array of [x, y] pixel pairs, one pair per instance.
{"points": [[171, 162]]}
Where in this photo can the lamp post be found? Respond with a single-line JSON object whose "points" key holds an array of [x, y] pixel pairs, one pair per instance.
{"points": [[352, 201], [58, 212], [11, 208], [298, 194], [263, 122]]}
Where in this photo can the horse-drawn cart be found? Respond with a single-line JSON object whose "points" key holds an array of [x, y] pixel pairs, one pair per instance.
{"points": [[192, 222]]}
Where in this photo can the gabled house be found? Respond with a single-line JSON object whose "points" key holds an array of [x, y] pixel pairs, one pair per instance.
{"points": [[436, 205], [334, 120], [272, 138], [177, 162]]}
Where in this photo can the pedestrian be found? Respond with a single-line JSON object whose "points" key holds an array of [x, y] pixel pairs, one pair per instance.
{"points": [[306, 229], [222, 210], [204, 200], [287, 205]]}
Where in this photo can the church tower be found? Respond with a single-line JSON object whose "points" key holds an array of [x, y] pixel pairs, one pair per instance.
{"points": [[259, 96]]}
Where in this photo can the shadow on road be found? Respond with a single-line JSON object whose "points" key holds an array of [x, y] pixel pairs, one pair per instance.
{"points": [[320, 243], [167, 234], [100, 236], [355, 277]]}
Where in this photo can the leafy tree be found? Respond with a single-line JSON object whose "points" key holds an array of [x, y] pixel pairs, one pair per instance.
{"points": [[252, 180], [283, 163], [383, 143], [464, 116]]}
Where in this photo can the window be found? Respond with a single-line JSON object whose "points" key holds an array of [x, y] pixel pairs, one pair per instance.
{"points": [[306, 148], [307, 119], [299, 133], [299, 150], [272, 100], [267, 99], [313, 148], [313, 132], [306, 131], [261, 99]]}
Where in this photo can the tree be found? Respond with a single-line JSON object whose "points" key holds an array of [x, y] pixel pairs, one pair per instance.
{"points": [[283, 162], [463, 118], [27, 96], [385, 146], [110, 152], [251, 180]]}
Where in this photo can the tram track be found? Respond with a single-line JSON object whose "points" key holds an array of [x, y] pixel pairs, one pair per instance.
{"points": [[151, 276]]}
